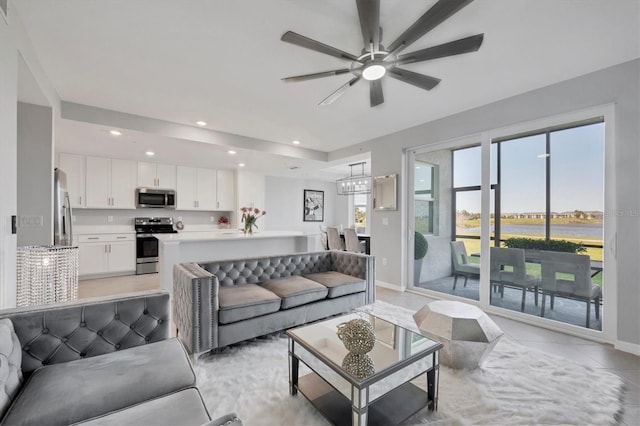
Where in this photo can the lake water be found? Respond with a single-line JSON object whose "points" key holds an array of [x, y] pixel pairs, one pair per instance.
{"points": [[573, 229]]}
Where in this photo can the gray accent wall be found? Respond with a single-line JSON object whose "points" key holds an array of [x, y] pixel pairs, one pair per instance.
{"points": [[35, 175], [618, 85], [285, 202]]}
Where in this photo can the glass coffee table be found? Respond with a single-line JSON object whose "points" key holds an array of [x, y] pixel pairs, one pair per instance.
{"points": [[378, 395]]}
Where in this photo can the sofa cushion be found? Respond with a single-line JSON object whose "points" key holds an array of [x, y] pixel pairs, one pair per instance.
{"points": [[242, 301], [296, 290], [65, 393], [183, 408], [10, 360], [338, 284]]}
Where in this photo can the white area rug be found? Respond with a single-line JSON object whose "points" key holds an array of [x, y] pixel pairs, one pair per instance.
{"points": [[516, 385]]}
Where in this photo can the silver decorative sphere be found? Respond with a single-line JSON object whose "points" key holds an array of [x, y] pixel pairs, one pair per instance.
{"points": [[358, 365], [357, 335]]}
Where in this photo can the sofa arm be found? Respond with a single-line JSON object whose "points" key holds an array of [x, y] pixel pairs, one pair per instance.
{"points": [[62, 332], [195, 307], [357, 265]]}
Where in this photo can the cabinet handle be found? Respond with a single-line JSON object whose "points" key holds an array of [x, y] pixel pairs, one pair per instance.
{"points": [[105, 248], [93, 238], [80, 200], [109, 248], [218, 204], [121, 238]]}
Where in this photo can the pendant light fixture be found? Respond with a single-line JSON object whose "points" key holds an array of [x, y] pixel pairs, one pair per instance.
{"points": [[354, 183]]}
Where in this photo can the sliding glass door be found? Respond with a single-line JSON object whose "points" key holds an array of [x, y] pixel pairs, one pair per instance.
{"points": [[542, 209]]}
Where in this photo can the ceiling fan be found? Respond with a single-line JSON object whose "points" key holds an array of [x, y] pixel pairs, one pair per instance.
{"points": [[376, 60]]}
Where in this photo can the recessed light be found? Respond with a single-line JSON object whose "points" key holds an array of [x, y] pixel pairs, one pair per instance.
{"points": [[421, 180], [201, 123], [417, 167], [296, 142], [240, 164], [150, 153], [115, 132], [231, 152]]}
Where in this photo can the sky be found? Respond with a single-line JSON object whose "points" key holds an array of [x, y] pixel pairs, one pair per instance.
{"points": [[576, 167]]}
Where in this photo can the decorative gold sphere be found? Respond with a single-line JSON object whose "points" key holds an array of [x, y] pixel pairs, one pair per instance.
{"points": [[357, 335]]}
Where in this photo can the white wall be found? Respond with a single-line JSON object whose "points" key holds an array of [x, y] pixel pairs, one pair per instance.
{"points": [[619, 85], [285, 202], [8, 161], [35, 172], [94, 217]]}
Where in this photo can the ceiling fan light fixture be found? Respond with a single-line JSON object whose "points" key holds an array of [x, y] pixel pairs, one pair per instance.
{"points": [[374, 72]]}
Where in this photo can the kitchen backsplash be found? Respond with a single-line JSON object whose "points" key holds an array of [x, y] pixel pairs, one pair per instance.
{"points": [[125, 217]]}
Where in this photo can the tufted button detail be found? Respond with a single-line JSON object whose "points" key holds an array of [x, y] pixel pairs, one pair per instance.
{"points": [[117, 345], [45, 362], [83, 354], [117, 316], [45, 331], [132, 326], [146, 312], [99, 332], [146, 339], [27, 348], [83, 324], [64, 339], [160, 321]]}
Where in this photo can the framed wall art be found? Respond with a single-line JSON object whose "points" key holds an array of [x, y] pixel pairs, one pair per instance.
{"points": [[313, 206]]}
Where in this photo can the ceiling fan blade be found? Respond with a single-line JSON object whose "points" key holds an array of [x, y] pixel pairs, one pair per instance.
{"points": [[419, 80], [438, 13], [335, 95], [464, 45], [302, 41], [306, 77], [369, 14], [375, 92]]}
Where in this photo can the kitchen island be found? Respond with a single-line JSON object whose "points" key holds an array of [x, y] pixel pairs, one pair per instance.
{"points": [[231, 244]]}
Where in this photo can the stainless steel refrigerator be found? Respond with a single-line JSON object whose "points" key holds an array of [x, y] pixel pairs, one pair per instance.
{"points": [[62, 213]]}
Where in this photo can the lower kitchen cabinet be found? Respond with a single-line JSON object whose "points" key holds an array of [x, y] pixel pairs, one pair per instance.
{"points": [[106, 254]]}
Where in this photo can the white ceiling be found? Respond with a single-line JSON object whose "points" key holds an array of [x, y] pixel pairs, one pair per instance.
{"points": [[222, 61]]}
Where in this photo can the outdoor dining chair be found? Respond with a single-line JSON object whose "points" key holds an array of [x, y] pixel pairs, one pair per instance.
{"points": [[569, 275], [460, 263], [508, 269]]}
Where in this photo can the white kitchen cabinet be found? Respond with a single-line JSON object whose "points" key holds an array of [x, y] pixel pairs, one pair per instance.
{"points": [[73, 166], [154, 175], [110, 183], [106, 254], [195, 189], [225, 190]]}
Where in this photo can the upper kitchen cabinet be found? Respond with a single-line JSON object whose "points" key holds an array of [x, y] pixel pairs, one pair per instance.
{"points": [[73, 166], [225, 190], [196, 189], [154, 175], [110, 183]]}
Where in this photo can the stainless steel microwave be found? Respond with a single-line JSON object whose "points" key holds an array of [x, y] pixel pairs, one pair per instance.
{"points": [[156, 198]]}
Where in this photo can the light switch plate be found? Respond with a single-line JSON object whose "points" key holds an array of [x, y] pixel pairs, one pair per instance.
{"points": [[385, 221]]}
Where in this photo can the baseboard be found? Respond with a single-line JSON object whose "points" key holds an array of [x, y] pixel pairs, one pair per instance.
{"points": [[389, 286], [631, 348]]}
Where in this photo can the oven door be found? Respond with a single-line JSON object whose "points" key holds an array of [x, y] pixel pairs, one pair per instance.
{"points": [[146, 249]]}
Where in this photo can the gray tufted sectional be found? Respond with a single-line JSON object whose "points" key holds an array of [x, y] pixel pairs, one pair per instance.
{"points": [[219, 303], [106, 361]]}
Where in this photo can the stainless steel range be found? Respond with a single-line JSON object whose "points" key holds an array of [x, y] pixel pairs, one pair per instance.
{"points": [[147, 244]]}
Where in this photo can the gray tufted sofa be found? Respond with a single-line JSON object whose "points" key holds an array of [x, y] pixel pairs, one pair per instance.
{"points": [[105, 361], [219, 303]]}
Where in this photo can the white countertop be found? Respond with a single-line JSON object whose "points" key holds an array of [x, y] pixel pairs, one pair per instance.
{"points": [[103, 229], [227, 234]]}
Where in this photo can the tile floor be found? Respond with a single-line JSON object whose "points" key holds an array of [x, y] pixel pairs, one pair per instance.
{"points": [[595, 355]]}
